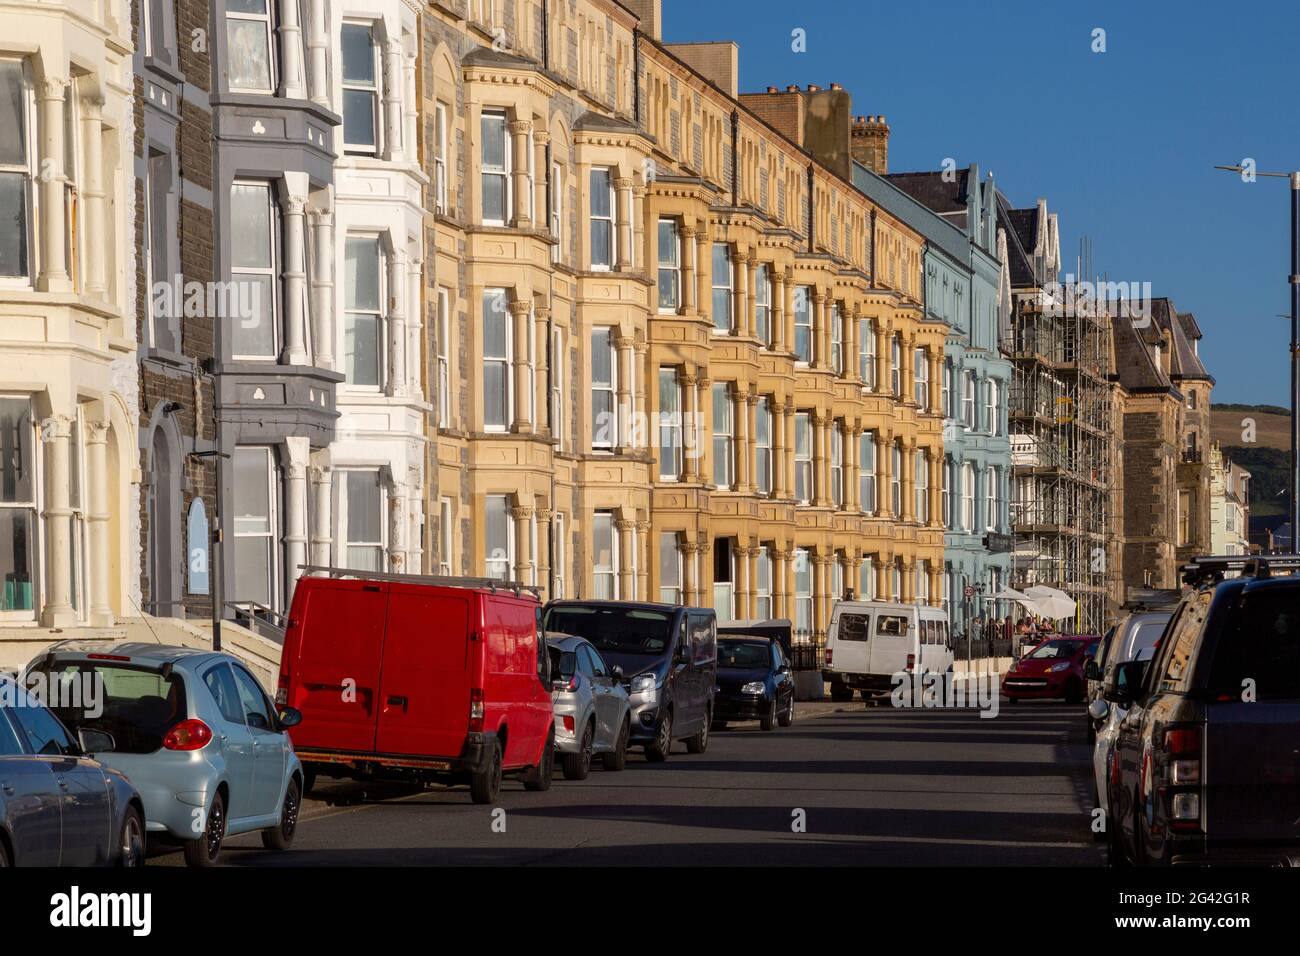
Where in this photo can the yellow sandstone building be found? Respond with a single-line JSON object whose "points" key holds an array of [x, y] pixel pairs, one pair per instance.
{"points": [[670, 355]]}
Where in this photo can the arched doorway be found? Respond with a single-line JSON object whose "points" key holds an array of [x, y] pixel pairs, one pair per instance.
{"points": [[163, 510]]}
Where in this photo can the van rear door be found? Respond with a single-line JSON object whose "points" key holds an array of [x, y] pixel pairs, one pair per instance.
{"points": [[848, 644], [424, 688], [334, 662], [1252, 761], [893, 638]]}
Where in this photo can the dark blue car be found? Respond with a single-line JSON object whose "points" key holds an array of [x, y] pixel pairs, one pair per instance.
{"points": [[754, 682]]}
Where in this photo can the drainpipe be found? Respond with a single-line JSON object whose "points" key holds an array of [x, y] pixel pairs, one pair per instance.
{"points": [[812, 214], [636, 75], [546, 34], [735, 157]]}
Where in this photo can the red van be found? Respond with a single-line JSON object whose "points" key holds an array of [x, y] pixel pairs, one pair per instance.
{"points": [[406, 677]]}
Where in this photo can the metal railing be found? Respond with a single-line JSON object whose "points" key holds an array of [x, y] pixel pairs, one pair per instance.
{"points": [[490, 584]]}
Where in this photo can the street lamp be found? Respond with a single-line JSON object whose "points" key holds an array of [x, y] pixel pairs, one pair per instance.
{"points": [[1294, 280]]}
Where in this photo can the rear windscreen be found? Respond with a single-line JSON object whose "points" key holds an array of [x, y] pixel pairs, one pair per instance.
{"points": [[853, 627], [746, 654], [618, 629], [1260, 648], [134, 704]]}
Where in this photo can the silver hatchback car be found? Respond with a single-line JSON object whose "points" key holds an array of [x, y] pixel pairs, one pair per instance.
{"points": [[592, 711], [192, 730]]}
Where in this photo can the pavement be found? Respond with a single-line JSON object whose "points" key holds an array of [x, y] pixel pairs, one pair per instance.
{"points": [[848, 783]]}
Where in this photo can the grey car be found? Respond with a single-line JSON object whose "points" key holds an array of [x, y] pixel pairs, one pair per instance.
{"points": [[195, 733], [591, 706], [59, 807]]}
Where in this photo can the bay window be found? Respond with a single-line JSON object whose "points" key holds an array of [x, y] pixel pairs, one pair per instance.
{"points": [[363, 339], [498, 537], [256, 526], [763, 304], [803, 464], [837, 340], [670, 568], [19, 561], [945, 496], [896, 479], [723, 436], [15, 173], [250, 52], [498, 345], [360, 89], [992, 502], [494, 166], [604, 389], [896, 366], [440, 158], [605, 556], [867, 579], [669, 266], [558, 421], [967, 497], [670, 424], [803, 325], [994, 411], [921, 378], [921, 468], [763, 583], [803, 593], [556, 193], [444, 357], [362, 520], [837, 465], [254, 265], [446, 535], [763, 446], [723, 313], [867, 353], [558, 575], [602, 218], [968, 398], [867, 472]]}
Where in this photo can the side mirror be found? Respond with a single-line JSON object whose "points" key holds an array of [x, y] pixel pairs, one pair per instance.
{"points": [[1127, 682], [95, 742], [289, 717], [1091, 671], [616, 672], [783, 669], [1098, 710]]}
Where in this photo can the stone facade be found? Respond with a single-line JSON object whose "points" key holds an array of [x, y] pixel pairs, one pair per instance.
{"points": [[1229, 505]]}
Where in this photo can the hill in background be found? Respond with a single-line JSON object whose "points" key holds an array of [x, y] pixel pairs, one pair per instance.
{"points": [[1268, 458]]}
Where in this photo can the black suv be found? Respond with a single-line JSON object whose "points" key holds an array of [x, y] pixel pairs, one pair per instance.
{"points": [[1206, 766]]}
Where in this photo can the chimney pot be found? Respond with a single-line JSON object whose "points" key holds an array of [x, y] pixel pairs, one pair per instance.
{"points": [[771, 89], [792, 88], [814, 88], [882, 119], [836, 86]]}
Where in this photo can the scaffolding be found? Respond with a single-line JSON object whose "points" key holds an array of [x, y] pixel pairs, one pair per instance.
{"points": [[1062, 421]]}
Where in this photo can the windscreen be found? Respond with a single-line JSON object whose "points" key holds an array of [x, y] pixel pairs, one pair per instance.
{"points": [[618, 629], [1261, 646], [1052, 649]]}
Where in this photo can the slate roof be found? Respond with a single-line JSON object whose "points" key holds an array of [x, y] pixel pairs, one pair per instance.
{"points": [[1020, 225], [947, 198], [1135, 363], [900, 202]]}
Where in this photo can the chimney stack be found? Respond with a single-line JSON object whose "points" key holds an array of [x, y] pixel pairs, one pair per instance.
{"points": [[869, 139]]}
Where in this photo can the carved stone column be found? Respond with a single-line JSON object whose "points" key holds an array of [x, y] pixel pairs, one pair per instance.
{"points": [[519, 315], [523, 213]]}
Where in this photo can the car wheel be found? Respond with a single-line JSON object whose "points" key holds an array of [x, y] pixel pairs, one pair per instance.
{"points": [[787, 718], [205, 850], [540, 777], [768, 720], [617, 759], [130, 846], [658, 749], [700, 742], [578, 765], [485, 784], [841, 693], [280, 836]]}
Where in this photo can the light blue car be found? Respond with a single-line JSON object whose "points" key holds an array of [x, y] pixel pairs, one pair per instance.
{"points": [[192, 730]]}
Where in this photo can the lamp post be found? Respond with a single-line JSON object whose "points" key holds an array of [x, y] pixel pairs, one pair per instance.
{"points": [[1294, 279]]}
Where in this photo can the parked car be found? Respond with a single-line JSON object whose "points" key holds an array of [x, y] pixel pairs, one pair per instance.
{"points": [[195, 733], [870, 641], [1138, 631], [1052, 670], [754, 682], [1136, 639], [1204, 769], [593, 715], [670, 656], [423, 679], [58, 805]]}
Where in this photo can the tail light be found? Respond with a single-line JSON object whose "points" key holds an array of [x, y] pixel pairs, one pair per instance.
{"points": [[476, 710], [568, 724], [1182, 777], [911, 662], [829, 652], [282, 690], [190, 734]]}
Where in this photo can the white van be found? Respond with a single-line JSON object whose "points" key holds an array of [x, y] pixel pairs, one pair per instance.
{"points": [[871, 641]]}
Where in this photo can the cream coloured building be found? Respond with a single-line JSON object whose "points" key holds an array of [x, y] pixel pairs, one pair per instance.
{"points": [[69, 496]]}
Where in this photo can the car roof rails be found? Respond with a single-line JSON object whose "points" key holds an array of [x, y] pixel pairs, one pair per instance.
{"points": [[1212, 569], [493, 585]]}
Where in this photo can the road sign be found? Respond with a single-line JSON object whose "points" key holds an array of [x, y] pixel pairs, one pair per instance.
{"points": [[969, 591]]}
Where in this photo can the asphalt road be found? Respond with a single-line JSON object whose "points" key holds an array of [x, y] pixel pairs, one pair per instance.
{"points": [[877, 786]]}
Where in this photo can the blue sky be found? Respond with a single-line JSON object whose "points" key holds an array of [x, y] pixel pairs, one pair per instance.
{"points": [[1122, 144]]}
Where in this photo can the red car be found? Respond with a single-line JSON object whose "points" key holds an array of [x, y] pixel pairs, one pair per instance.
{"points": [[1052, 670], [402, 679]]}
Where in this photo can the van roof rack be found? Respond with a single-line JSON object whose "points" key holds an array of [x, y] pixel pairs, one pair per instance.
{"points": [[1212, 568], [442, 580]]}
